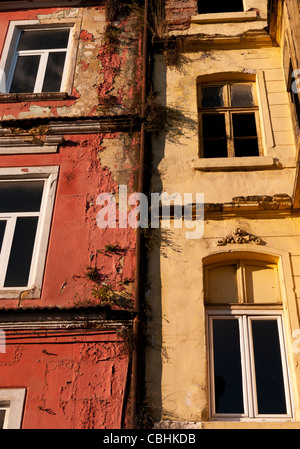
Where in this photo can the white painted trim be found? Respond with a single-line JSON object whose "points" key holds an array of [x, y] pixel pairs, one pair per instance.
{"points": [[244, 317], [50, 175], [16, 398], [9, 54]]}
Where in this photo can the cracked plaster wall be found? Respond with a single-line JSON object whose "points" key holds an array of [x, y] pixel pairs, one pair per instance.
{"points": [[72, 380]]}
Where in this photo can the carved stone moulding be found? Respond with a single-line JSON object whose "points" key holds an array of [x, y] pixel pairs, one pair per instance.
{"points": [[239, 236]]}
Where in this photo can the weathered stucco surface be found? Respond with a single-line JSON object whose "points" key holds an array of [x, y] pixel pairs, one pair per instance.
{"points": [[74, 380], [177, 350]]}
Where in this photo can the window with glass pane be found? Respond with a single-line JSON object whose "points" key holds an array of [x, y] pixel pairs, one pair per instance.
{"points": [[243, 386], [20, 205], [228, 122], [39, 60]]}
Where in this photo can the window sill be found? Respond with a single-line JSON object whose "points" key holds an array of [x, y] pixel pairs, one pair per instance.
{"points": [[20, 293], [245, 16], [15, 98], [241, 163]]}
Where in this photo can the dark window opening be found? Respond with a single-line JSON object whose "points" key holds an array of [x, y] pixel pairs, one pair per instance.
{"points": [[205, 7]]}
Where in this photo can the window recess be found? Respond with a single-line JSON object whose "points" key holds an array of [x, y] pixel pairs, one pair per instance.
{"points": [[228, 120]]}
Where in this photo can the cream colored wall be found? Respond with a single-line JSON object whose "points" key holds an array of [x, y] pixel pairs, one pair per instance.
{"points": [[176, 377], [174, 156], [176, 354]]}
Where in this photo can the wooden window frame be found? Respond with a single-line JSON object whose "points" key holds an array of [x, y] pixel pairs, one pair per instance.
{"points": [[228, 110], [241, 265]]}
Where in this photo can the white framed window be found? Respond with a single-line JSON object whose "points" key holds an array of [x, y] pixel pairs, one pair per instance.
{"points": [[35, 58], [248, 370], [26, 203], [11, 407]]}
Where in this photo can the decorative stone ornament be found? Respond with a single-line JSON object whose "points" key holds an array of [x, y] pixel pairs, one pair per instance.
{"points": [[240, 236]]}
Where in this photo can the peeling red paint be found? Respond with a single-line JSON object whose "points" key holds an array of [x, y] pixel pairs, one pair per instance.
{"points": [[86, 36], [86, 370]]}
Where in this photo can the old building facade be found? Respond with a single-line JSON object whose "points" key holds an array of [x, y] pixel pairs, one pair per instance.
{"points": [[82, 89], [223, 336], [71, 86]]}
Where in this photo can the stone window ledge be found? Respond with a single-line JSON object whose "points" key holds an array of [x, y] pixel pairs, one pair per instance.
{"points": [[14, 98], [242, 163], [246, 16]]}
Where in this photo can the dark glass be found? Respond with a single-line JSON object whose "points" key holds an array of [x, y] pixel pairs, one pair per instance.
{"points": [[244, 125], [43, 39], [2, 231], [245, 135], [25, 74], [21, 252], [227, 366], [214, 135], [212, 96], [246, 147], [213, 126], [205, 6], [241, 95], [22, 196], [54, 72], [268, 367], [2, 416], [215, 148]]}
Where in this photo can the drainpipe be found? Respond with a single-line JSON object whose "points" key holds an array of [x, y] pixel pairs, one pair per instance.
{"points": [[137, 322]]}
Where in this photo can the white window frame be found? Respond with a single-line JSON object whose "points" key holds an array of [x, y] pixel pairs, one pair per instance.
{"points": [[10, 54], [49, 174], [247, 365], [12, 400]]}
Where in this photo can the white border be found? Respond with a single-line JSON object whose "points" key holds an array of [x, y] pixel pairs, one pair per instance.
{"points": [[16, 398], [50, 175]]}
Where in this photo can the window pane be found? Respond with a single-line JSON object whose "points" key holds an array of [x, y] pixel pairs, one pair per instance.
{"points": [[212, 96], [213, 125], [227, 366], [245, 135], [214, 135], [262, 284], [21, 252], [2, 231], [268, 367], [246, 148], [222, 284], [54, 72], [2, 416], [21, 196], [25, 74], [214, 7], [43, 39], [241, 95], [244, 125], [215, 148]]}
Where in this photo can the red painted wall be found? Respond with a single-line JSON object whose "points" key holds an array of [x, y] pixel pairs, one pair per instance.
{"points": [[76, 379], [73, 380], [76, 241]]}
